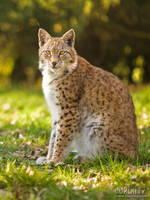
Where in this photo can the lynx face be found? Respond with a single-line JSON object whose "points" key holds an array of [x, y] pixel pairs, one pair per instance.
{"points": [[57, 55]]}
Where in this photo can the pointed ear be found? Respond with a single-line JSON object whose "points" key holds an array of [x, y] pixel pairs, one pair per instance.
{"points": [[43, 36], [69, 37]]}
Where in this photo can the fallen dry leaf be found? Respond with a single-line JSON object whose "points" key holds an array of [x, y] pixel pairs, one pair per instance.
{"points": [[6, 106], [13, 121]]}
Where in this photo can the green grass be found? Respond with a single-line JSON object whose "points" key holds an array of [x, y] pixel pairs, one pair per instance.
{"points": [[25, 124]]}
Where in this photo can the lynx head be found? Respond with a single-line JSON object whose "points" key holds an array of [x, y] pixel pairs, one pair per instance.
{"points": [[57, 54]]}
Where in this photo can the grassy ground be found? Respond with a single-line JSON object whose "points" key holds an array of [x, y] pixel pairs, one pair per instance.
{"points": [[24, 132]]}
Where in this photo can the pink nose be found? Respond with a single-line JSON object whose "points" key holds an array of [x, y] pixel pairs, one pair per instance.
{"points": [[54, 64]]}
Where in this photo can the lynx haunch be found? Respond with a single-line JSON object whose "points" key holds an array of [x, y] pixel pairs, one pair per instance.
{"points": [[92, 111]]}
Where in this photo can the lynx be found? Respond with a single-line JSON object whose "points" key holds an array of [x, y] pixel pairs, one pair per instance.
{"points": [[92, 111]]}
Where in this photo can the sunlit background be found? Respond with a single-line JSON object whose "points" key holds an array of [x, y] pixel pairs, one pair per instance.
{"points": [[112, 34]]}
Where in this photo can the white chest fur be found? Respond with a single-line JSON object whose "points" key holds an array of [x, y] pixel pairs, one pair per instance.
{"points": [[51, 98]]}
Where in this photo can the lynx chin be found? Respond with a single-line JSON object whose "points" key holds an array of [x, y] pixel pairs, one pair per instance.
{"points": [[92, 111]]}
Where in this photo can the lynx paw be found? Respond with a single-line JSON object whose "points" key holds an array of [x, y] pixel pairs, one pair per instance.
{"points": [[42, 161]]}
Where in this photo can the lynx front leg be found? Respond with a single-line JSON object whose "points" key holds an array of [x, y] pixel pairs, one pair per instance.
{"points": [[51, 144], [46, 160], [67, 127]]}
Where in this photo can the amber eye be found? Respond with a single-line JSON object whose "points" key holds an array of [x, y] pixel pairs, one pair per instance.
{"points": [[62, 53], [48, 52]]}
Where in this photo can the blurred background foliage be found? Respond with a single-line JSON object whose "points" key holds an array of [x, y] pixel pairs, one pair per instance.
{"points": [[112, 34]]}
